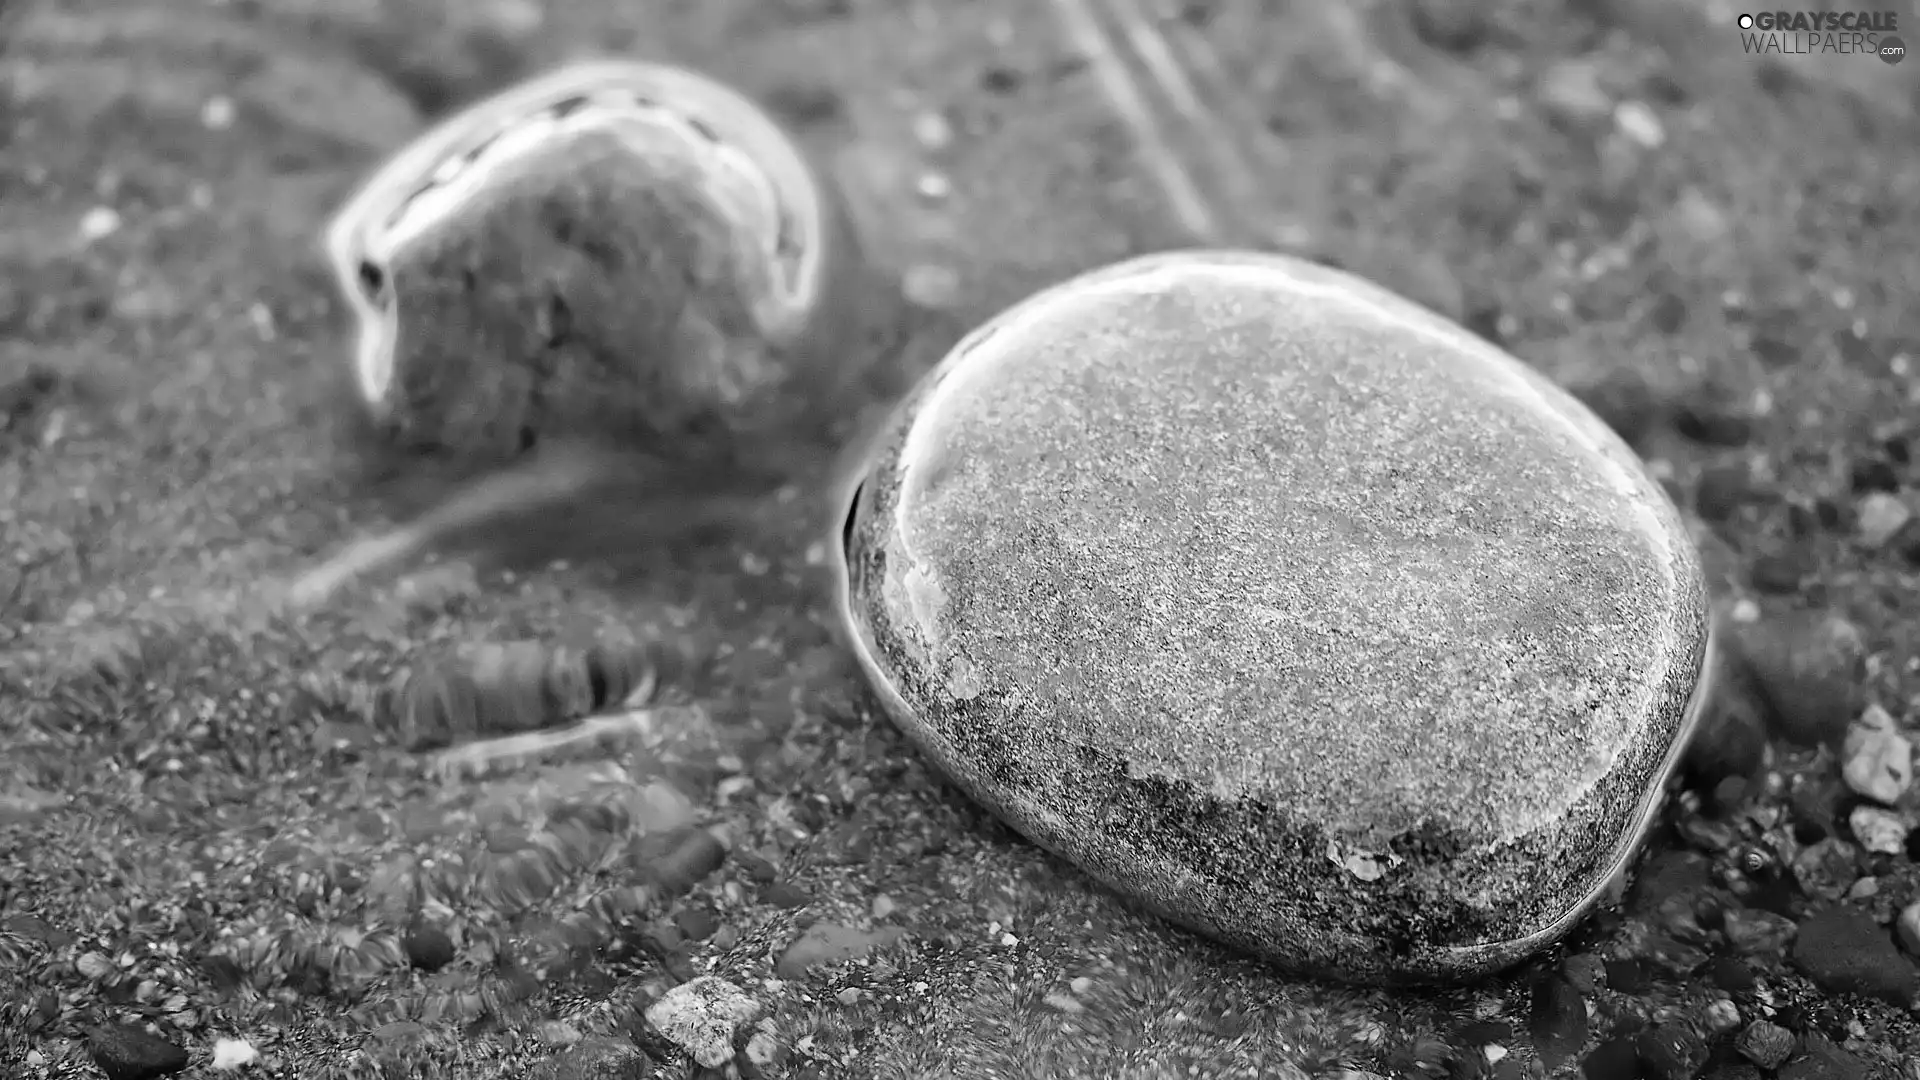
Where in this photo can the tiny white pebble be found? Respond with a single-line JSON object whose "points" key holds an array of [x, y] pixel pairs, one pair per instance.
{"points": [[754, 565], [1065, 1003], [1639, 123], [931, 285], [99, 222], [934, 186], [1843, 298], [1080, 985], [883, 906], [1746, 612], [230, 1054], [1009, 940], [1494, 1052], [217, 113], [816, 554], [932, 131]]}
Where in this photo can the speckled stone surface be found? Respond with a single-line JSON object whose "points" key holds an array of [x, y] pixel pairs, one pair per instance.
{"points": [[1285, 607], [615, 247]]}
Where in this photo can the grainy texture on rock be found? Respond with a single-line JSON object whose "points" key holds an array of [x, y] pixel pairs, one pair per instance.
{"points": [[1284, 606], [701, 1017]]}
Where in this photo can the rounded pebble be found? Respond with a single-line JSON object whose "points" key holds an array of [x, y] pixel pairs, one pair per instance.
{"points": [[1844, 951], [1877, 758], [428, 947], [1766, 1045], [1809, 668], [507, 267], [701, 1016], [1284, 606]]}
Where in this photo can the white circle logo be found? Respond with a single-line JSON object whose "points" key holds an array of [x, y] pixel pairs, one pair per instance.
{"points": [[1746, 22]]}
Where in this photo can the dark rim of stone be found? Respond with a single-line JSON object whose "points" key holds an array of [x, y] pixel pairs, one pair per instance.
{"points": [[1463, 961]]}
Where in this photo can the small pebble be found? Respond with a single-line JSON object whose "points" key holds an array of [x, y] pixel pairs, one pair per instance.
{"points": [[1557, 1019], [1781, 573], [1907, 928], [1638, 122], [883, 906], [1751, 932], [1873, 475], [931, 285], [1731, 975], [1879, 518], [1585, 972], [99, 223], [1844, 951], [428, 947], [596, 1057], [701, 1016], [1572, 93], [1820, 1059], [933, 131], [1722, 490], [1827, 869], [763, 1050], [1671, 1051], [1878, 830], [231, 1054], [826, 943], [1628, 976], [1877, 758], [697, 922], [1713, 426], [125, 1052], [1065, 1003], [558, 1033], [1765, 1044], [1720, 1016], [1809, 668], [1616, 1059], [694, 859], [786, 895]]}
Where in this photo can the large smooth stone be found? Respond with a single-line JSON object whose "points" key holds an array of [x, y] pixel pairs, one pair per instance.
{"points": [[614, 248], [1286, 608]]}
